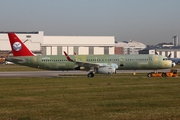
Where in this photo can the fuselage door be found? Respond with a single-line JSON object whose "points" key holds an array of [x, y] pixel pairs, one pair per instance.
{"points": [[121, 61]]}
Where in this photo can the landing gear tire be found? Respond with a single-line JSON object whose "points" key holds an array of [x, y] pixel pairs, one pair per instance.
{"points": [[163, 74], [149, 75], [91, 74]]}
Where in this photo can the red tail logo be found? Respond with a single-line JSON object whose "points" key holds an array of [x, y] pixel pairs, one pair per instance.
{"points": [[18, 47]]}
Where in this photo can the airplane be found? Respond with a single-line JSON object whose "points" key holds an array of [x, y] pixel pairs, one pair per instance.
{"points": [[101, 64], [175, 60]]}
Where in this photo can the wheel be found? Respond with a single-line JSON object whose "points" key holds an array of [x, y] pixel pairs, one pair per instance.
{"points": [[91, 74], [88, 75], [163, 74], [149, 75]]}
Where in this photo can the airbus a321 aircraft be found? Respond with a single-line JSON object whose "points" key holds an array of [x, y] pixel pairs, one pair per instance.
{"points": [[102, 64], [175, 60]]}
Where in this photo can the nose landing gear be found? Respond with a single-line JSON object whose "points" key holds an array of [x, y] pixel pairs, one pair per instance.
{"points": [[90, 74]]}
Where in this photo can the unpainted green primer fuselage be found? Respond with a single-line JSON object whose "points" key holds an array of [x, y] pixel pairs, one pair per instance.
{"points": [[124, 62]]}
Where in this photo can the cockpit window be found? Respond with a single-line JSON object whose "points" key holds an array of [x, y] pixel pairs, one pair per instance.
{"points": [[165, 59]]}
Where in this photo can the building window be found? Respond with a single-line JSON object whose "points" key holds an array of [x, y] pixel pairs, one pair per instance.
{"points": [[91, 50], [106, 50], [76, 50], [59, 50], [166, 53], [175, 54], [43, 48], [28, 36]]}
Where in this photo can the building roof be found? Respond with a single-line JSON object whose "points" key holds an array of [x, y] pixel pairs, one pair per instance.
{"points": [[78, 41], [130, 44], [34, 32], [163, 48]]}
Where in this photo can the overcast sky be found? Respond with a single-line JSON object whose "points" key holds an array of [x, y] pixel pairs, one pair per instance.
{"points": [[146, 21]]}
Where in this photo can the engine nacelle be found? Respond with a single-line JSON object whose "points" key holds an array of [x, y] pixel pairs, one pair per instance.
{"points": [[173, 64], [79, 68], [106, 70]]}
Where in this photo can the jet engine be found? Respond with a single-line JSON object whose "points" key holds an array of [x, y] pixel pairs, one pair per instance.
{"points": [[106, 70], [173, 64]]}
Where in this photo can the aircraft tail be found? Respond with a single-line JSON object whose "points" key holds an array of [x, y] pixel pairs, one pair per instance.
{"points": [[169, 55], [156, 53], [18, 47]]}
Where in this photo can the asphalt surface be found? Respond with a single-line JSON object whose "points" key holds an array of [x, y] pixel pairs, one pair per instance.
{"points": [[65, 73]]}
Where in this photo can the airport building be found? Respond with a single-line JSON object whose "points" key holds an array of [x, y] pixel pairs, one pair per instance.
{"points": [[174, 50], [165, 49], [32, 40], [128, 47], [55, 45], [81, 45]]}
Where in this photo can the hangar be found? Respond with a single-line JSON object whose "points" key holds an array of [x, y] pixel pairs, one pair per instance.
{"points": [[82, 45], [55, 45], [129, 47]]}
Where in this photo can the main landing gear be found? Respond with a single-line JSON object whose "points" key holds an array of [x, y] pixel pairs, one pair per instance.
{"points": [[90, 74]]}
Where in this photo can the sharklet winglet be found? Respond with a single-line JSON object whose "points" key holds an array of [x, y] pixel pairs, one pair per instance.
{"points": [[67, 56]]}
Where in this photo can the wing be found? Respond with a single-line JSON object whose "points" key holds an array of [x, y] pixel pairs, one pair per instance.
{"points": [[85, 64]]}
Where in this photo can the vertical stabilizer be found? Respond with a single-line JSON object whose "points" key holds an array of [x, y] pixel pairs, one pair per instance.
{"points": [[18, 47], [169, 55]]}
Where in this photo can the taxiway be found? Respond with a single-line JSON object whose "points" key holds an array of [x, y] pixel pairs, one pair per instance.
{"points": [[57, 73]]}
